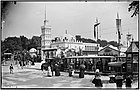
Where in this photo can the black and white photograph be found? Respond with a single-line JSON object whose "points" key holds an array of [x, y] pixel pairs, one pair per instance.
{"points": [[71, 44]]}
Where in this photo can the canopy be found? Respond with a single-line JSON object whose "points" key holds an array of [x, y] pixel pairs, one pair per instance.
{"points": [[32, 50], [117, 64]]}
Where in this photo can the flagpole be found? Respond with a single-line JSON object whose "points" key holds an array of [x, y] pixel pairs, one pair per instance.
{"points": [[97, 40], [97, 35]]}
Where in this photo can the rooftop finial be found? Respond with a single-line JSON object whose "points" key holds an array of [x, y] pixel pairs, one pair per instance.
{"points": [[96, 20], [45, 19], [45, 11], [66, 31], [117, 15]]}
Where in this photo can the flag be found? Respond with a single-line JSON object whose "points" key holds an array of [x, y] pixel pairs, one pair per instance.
{"points": [[118, 25], [95, 29]]}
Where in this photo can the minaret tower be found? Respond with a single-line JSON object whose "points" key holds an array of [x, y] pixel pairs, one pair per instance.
{"points": [[45, 36]]}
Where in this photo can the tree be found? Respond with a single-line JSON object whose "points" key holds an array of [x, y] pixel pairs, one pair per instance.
{"points": [[135, 7], [12, 44], [24, 42], [35, 42], [114, 43], [102, 42]]}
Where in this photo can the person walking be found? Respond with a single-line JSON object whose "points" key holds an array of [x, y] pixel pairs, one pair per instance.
{"points": [[52, 69], [82, 70], [98, 83], [11, 69], [57, 70], [128, 81], [44, 68], [97, 73], [70, 70], [49, 71], [119, 81], [97, 80]]}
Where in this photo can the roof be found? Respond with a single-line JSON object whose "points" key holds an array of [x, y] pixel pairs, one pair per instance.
{"points": [[110, 46], [68, 37], [7, 53], [90, 44], [49, 49], [115, 63], [134, 47], [137, 44], [91, 56], [32, 50]]}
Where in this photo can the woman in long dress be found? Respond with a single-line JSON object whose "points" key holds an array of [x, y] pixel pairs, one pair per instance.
{"points": [[49, 71]]}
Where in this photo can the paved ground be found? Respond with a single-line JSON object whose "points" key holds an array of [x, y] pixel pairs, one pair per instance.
{"points": [[32, 77]]}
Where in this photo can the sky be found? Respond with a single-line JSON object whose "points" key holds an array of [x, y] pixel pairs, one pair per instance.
{"points": [[78, 18]]}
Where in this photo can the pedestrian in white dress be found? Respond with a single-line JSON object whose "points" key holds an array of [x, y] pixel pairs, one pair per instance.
{"points": [[49, 71]]}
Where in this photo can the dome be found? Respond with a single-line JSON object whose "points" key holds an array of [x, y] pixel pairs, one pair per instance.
{"points": [[32, 50]]}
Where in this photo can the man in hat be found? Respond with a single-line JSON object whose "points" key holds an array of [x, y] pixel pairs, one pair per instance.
{"points": [[119, 80]]}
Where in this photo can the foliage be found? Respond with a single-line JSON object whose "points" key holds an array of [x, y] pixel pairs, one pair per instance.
{"points": [[135, 7], [102, 42], [114, 43], [12, 44], [87, 40], [21, 43], [24, 42], [35, 42]]}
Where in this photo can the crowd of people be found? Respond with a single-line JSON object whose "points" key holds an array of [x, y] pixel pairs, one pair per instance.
{"points": [[49, 70], [119, 80]]}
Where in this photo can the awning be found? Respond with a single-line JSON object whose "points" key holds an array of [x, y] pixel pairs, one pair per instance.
{"points": [[7, 53], [117, 64]]}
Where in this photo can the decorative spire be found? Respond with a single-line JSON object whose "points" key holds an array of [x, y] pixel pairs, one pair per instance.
{"points": [[66, 32], [96, 20], [45, 19], [117, 15], [45, 11]]}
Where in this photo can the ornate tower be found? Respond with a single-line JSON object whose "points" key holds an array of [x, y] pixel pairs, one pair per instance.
{"points": [[45, 36], [129, 37]]}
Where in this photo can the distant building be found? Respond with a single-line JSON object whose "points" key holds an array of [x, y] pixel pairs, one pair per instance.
{"points": [[49, 47], [68, 41]]}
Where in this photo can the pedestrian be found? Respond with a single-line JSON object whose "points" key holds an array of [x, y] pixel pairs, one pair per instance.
{"points": [[97, 73], [49, 71], [98, 82], [52, 69], [44, 68], [11, 69], [57, 70], [128, 81], [119, 80], [82, 70], [70, 70], [30, 63]]}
